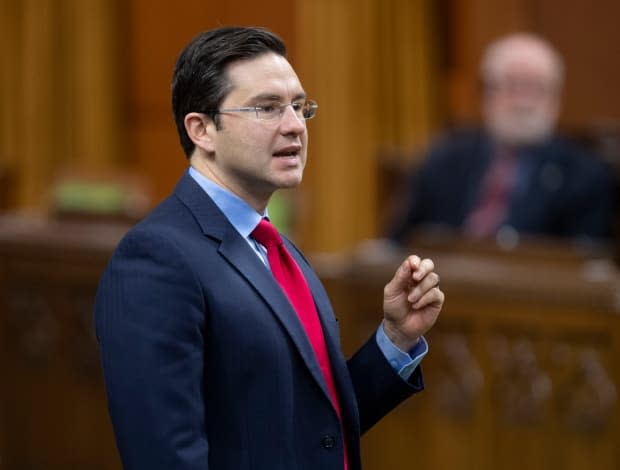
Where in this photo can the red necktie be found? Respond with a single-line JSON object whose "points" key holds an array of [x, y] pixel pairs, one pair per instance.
{"points": [[288, 274], [493, 206]]}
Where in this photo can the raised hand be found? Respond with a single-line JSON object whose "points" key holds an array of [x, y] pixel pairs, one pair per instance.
{"points": [[412, 301]]}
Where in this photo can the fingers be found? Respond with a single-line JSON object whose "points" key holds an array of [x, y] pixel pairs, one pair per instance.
{"points": [[425, 280], [430, 281], [415, 276], [432, 296], [423, 267]]}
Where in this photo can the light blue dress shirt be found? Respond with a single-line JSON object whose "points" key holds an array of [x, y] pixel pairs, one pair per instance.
{"points": [[244, 219]]}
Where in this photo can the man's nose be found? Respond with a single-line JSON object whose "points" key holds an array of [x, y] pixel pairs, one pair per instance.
{"points": [[291, 122]]}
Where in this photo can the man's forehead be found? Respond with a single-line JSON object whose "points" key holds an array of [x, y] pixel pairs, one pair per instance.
{"points": [[526, 59], [263, 68], [266, 76]]}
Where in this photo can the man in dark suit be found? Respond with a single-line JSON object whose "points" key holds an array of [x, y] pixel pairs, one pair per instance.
{"points": [[219, 346], [516, 175]]}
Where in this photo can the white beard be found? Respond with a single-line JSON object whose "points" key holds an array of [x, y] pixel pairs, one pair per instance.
{"points": [[521, 127]]}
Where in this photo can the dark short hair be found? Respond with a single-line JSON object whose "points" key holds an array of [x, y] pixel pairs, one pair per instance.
{"points": [[199, 82]]}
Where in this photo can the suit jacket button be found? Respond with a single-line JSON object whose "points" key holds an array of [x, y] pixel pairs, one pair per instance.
{"points": [[328, 442]]}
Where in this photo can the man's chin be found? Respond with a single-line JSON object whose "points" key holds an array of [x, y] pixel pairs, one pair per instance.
{"points": [[288, 182], [520, 134]]}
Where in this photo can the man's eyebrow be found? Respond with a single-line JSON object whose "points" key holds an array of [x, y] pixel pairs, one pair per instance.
{"points": [[274, 97]]}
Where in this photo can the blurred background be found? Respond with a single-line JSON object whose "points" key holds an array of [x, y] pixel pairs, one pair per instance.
{"points": [[524, 367]]}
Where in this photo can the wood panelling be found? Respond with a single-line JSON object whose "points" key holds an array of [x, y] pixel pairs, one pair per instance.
{"points": [[585, 34], [371, 66], [87, 84], [61, 100]]}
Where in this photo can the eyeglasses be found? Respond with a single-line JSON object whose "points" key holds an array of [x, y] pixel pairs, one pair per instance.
{"points": [[304, 110], [521, 87]]}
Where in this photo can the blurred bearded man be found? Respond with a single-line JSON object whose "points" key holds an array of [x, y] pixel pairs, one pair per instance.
{"points": [[515, 175], [522, 78]]}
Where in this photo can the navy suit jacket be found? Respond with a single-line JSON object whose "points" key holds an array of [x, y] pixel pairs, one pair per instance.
{"points": [[561, 191], [205, 363]]}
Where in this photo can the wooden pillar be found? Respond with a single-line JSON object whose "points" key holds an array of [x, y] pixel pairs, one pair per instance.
{"points": [[368, 64], [38, 117], [97, 113], [60, 94]]}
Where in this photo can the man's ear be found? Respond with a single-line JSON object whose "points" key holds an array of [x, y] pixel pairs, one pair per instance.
{"points": [[201, 130]]}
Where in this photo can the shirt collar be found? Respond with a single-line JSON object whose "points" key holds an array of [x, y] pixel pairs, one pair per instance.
{"points": [[238, 212]]}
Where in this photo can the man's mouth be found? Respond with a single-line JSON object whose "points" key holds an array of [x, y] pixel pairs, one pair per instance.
{"points": [[290, 151]]}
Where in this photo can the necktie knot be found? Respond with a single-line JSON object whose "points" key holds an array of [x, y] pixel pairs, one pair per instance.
{"points": [[266, 234]]}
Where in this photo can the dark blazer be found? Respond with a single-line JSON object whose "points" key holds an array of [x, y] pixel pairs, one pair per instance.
{"points": [[205, 363], [561, 191]]}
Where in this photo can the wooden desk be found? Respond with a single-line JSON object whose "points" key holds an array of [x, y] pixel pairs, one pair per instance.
{"points": [[53, 410]]}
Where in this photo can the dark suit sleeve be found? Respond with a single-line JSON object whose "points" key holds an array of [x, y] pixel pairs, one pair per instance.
{"points": [[149, 320], [378, 388]]}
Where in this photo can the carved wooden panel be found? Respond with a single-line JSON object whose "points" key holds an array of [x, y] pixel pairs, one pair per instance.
{"points": [[456, 376], [520, 386], [52, 409]]}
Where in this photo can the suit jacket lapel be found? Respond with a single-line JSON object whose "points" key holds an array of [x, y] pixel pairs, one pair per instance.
{"points": [[239, 254], [326, 315]]}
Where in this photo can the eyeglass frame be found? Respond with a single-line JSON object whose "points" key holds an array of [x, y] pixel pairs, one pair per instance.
{"points": [[281, 108]]}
